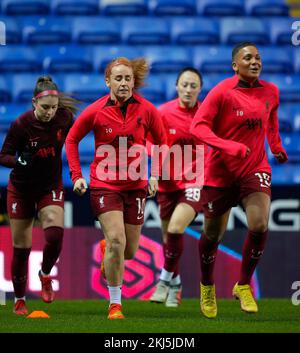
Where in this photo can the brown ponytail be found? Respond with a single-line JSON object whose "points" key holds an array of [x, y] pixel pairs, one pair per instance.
{"points": [[45, 83]]}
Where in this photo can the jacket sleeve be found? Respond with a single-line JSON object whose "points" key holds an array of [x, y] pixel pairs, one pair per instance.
{"points": [[11, 145], [81, 127], [273, 136]]}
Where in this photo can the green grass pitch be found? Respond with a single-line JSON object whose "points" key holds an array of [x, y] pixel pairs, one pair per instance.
{"points": [[82, 316]]}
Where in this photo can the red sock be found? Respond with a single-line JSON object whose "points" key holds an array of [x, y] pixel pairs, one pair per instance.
{"points": [[252, 251], [208, 253], [176, 271], [52, 248], [164, 249], [19, 270], [174, 248]]}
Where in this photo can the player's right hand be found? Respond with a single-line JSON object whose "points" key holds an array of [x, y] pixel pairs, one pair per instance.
{"points": [[80, 186], [243, 151], [281, 156], [24, 159]]}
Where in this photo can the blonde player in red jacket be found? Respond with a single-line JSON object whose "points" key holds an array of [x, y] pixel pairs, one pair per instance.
{"points": [[120, 122], [234, 119], [179, 200]]}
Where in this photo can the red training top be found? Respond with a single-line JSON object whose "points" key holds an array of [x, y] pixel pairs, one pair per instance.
{"points": [[177, 121], [111, 124], [234, 116], [44, 140]]}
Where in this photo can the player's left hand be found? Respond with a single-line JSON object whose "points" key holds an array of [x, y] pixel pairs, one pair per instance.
{"points": [[152, 186], [24, 159], [281, 156]]}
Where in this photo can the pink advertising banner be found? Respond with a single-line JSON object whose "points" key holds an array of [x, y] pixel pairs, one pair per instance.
{"points": [[77, 276]]}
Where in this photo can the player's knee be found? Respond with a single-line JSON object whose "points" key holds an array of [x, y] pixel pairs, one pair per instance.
{"points": [[115, 245], [49, 219], [260, 226], [22, 242], [175, 228]]}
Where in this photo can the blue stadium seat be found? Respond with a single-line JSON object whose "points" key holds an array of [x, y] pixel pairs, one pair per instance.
{"points": [[296, 53], [213, 59], [67, 182], [289, 86], [10, 112], [66, 58], [85, 169], [5, 89], [238, 29], [24, 84], [285, 119], [295, 116], [100, 30], [210, 80], [25, 7], [123, 8], [296, 174], [15, 58], [170, 84], [172, 7], [280, 30], [284, 174], [66, 178], [104, 54], [194, 30], [266, 8], [4, 175], [75, 7], [167, 59], [86, 88], [291, 143], [154, 89], [221, 7], [276, 60], [87, 148], [13, 33], [145, 30], [2, 138], [46, 30]]}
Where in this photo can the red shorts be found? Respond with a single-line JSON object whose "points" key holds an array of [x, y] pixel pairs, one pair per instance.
{"points": [[131, 203], [216, 201], [21, 205], [169, 200]]}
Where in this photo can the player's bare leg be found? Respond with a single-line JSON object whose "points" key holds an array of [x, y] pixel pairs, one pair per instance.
{"points": [[113, 228]]}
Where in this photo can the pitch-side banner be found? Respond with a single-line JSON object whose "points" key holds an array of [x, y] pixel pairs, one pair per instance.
{"points": [[77, 275]]}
